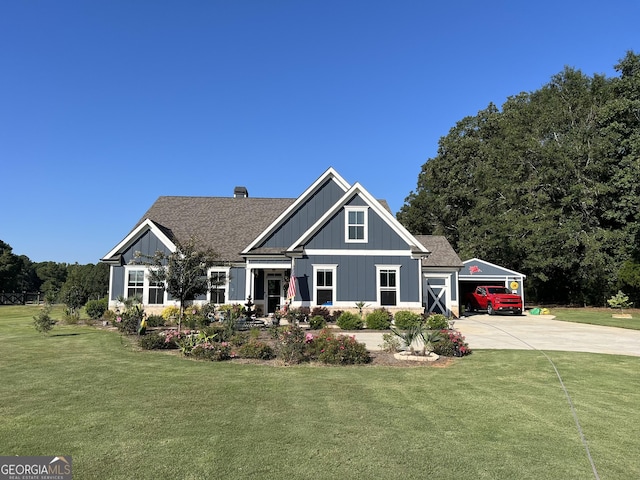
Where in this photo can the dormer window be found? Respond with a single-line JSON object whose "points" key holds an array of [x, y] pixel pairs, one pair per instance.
{"points": [[356, 224]]}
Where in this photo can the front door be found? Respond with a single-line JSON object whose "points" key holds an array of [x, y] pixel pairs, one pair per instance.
{"points": [[274, 293]]}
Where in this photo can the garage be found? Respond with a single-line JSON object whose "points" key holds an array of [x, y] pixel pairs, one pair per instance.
{"points": [[477, 272]]}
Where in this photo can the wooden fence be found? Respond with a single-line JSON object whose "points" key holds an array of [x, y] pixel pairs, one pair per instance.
{"points": [[20, 298]]}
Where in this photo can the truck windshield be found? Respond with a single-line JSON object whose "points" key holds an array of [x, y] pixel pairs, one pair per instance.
{"points": [[498, 290]]}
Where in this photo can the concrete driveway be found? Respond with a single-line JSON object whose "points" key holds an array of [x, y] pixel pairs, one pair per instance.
{"points": [[528, 332]]}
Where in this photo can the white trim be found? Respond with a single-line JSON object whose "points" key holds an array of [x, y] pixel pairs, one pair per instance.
{"points": [[395, 268], [136, 232], [224, 287], [333, 268], [446, 292], [465, 266], [365, 225], [145, 285], [359, 253], [374, 204], [330, 173]]}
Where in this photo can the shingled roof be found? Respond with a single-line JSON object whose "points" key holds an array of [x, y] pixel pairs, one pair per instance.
{"points": [[226, 225], [442, 254]]}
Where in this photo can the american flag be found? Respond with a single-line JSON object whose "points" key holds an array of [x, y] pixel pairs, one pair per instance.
{"points": [[291, 292]]}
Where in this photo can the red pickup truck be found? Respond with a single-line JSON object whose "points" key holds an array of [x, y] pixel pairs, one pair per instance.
{"points": [[493, 299]]}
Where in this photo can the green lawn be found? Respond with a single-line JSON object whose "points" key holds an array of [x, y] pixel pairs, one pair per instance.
{"points": [[124, 413], [598, 316]]}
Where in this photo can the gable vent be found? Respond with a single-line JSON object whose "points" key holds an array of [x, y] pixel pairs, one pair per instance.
{"points": [[240, 192]]}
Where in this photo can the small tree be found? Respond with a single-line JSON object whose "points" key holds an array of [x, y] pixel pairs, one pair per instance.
{"points": [[619, 300], [43, 321], [183, 272]]}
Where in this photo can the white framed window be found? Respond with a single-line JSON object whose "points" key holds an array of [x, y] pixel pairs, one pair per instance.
{"points": [[355, 223], [324, 287], [388, 284], [138, 284], [156, 293], [135, 282], [219, 281]]}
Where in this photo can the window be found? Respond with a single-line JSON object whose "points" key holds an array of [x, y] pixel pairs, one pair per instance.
{"points": [[135, 283], [356, 224], [156, 293], [218, 291], [325, 276], [388, 285]]}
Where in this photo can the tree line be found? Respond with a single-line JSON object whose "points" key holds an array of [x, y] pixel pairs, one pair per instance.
{"points": [[55, 280], [548, 185]]}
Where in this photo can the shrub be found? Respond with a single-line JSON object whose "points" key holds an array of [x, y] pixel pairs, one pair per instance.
{"points": [[437, 322], [349, 321], [379, 319], [155, 321], [340, 350], [96, 308], [71, 316], [451, 344], [214, 351], [323, 312], [317, 322], [298, 315], [170, 313], [256, 349], [109, 316], [154, 341], [43, 322], [335, 315], [405, 319], [291, 345], [390, 343], [128, 322]]}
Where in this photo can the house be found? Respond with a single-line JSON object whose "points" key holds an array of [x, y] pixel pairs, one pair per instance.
{"points": [[342, 245]]}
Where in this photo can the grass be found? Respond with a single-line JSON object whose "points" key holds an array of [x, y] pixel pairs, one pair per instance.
{"points": [[598, 316], [124, 413]]}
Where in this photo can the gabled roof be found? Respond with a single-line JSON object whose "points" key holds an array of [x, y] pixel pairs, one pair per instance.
{"points": [[442, 254], [226, 225], [329, 174], [147, 224], [375, 205], [495, 269]]}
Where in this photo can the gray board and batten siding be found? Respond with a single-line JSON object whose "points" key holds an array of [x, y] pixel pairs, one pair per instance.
{"points": [[147, 245], [304, 216]]}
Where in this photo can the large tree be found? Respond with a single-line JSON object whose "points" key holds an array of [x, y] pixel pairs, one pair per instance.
{"points": [[548, 185]]}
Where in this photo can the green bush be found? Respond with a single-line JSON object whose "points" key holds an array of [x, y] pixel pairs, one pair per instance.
{"points": [[256, 349], [292, 345], [437, 322], [405, 319], [317, 322], [96, 308], [214, 351], [155, 321], [350, 321], [154, 341], [128, 322], [379, 319]]}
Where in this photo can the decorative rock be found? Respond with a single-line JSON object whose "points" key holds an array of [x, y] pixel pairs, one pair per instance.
{"points": [[430, 357]]}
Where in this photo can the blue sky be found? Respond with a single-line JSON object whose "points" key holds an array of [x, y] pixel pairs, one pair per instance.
{"points": [[104, 106]]}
